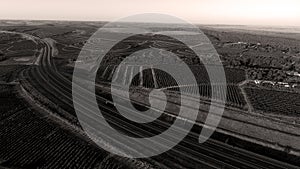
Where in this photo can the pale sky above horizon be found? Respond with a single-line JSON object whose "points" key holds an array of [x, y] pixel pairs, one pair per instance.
{"points": [[237, 12]]}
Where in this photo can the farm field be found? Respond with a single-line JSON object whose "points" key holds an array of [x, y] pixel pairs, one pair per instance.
{"points": [[39, 126], [35, 141], [277, 102], [164, 81]]}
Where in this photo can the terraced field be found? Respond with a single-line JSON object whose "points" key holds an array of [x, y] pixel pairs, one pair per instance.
{"points": [[17, 49]]}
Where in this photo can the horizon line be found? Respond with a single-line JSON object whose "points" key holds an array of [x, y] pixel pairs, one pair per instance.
{"points": [[195, 23]]}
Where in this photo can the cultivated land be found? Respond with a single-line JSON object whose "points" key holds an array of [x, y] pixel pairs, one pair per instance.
{"points": [[39, 127]]}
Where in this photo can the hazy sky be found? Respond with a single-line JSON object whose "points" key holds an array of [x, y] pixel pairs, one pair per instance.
{"points": [[243, 12]]}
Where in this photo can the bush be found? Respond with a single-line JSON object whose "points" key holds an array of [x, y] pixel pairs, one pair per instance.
{"points": [[2, 56]]}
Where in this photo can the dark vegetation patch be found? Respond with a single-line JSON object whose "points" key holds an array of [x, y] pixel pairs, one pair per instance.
{"points": [[10, 72], [271, 101]]}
